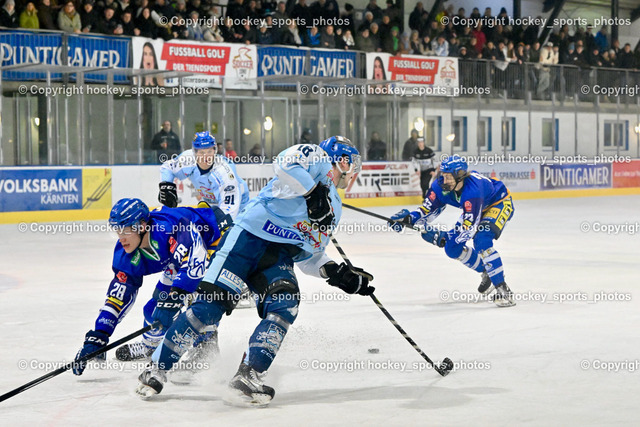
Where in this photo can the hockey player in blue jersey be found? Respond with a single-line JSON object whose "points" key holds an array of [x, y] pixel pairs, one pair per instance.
{"points": [[214, 177], [288, 222], [178, 242], [486, 205]]}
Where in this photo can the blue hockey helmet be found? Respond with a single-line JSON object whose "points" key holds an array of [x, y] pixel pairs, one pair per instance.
{"points": [[456, 166], [338, 147], [128, 213], [203, 140], [453, 165]]}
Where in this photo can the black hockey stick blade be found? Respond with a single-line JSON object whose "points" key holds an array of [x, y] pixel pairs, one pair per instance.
{"points": [[382, 217], [70, 365]]}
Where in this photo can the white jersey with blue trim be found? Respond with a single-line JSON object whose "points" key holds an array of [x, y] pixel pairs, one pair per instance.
{"points": [[219, 186], [279, 212]]}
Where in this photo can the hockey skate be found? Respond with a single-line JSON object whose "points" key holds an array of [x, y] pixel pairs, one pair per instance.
{"points": [[133, 351], [486, 287], [151, 381], [503, 296], [247, 389], [204, 349]]}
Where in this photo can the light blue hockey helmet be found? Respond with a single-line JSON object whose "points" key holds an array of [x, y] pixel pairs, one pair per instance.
{"points": [[128, 213], [203, 140], [339, 146]]}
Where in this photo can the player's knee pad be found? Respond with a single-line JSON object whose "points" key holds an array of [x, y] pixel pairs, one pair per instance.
{"points": [[453, 249], [281, 297], [213, 294], [483, 240]]}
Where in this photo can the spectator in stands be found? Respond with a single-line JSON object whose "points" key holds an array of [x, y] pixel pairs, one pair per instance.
{"points": [[454, 47], [313, 37], [375, 10], [374, 35], [392, 43], [45, 16], [364, 42], [229, 33], [384, 27], [108, 23], [265, 35], [415, 43], [291, 37], [128, 27], [145, 24], [410, 145], [29, 17], [366, 24], [165, 13], [348, 18], [196, 6], [463, 53], [166, 143], [69, 19], [194, 29], [229, 152], [301, 12], [377, 148], [212, 32], [8, 16], [250, 34], [480, 38], [395, 17], [426, 46], [615, 45], [534, 53], [415, 18], [348, 40], [440, 46], [89, 16], [181, 9], [601, 41], [626, 58], [328, 38]]}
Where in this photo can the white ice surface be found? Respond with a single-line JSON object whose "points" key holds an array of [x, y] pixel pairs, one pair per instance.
{"points": [[51, 288]]}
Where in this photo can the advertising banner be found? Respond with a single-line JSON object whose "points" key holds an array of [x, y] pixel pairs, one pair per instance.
{"points": [[626, 174], [287, 61], [565, 176], [516, 176], [237, 63], [388, 179]]}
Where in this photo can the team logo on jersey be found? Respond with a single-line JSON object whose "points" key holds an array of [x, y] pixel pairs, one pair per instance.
{"points": [[122, 277], [307, 232], [467, 206], [229, 188], [272, 339], [277, 231], [432, 196], [173, 244]]}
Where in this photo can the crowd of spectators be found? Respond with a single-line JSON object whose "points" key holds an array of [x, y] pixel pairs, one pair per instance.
{"points": [[294, 22]]}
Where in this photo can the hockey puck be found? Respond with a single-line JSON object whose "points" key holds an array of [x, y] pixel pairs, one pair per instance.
{"points": [[374, 350]]}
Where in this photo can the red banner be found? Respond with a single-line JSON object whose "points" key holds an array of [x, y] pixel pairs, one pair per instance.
{"points": [[626, 174]]}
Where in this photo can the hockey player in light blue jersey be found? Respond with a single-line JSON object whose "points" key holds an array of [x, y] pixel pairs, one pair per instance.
{"points": [[214, 177], [288, 222], [486, 205]]}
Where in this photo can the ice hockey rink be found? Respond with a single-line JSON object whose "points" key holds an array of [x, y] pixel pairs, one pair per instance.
{"points": [[542, 362]]}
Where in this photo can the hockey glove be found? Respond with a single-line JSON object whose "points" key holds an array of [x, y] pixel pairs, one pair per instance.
{"points": [[435, 237], [93, 341], [352, 280], [400, 220], [319, 207], [168, 195], [167, 305]]}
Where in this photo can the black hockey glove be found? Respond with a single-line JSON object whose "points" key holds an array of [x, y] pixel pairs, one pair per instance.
{"points": [[352, 280], [319, 207], [167, 305], [168, 195], [93, 341]]}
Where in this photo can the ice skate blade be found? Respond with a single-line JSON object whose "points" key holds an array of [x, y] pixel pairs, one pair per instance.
{"points": [[239, 399], [145, 392], [181, 377], [504, 304]]}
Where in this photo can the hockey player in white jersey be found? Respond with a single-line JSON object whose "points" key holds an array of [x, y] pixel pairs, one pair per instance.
{"points": [[213, 176], [288, 222]]}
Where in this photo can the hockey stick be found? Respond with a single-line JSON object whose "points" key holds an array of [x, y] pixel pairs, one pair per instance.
{"points": [[69, 365], [447, 364], [382, 217]]}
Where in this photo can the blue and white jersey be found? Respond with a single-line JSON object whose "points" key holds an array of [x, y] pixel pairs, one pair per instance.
{"points": [[478, 194], [279, 212], [219, 186]]}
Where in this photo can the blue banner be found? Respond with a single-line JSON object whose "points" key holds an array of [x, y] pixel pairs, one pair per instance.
{"points": [[40, 190], [24, 47], [290, 61], [560, 176]]}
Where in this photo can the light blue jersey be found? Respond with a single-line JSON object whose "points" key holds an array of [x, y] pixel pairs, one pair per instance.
{"points": [[279, 213], [220, 186]]}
